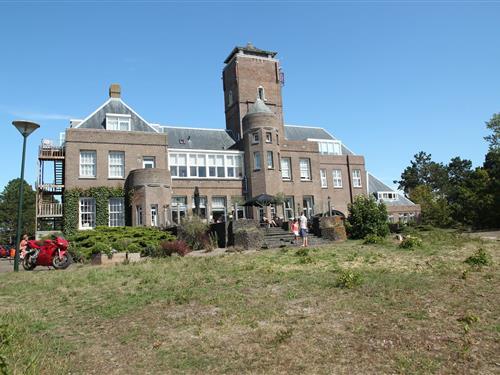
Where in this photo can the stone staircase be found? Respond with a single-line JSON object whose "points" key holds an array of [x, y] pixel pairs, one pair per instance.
{"points": [[277, 237]]}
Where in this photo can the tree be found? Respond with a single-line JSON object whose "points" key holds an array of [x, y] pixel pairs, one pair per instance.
{"points": [[366, 216], [435, 208], [494, 126], [423, 171], [9, 199]]}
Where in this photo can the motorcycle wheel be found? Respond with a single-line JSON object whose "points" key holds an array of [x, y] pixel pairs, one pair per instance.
{"points": [[27, 265], [63, 263]]}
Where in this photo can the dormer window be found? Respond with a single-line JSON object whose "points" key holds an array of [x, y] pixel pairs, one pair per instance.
{"points": [[118, 122], [261, 94], [330, 148], [387, 195]]}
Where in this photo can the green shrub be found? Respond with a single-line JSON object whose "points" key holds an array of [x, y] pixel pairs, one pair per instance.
{"points": [[479, 258], [348, 279], [410, 242], [373, 239], [194, 231], [366, 217], [131, 239], [248, 238]]}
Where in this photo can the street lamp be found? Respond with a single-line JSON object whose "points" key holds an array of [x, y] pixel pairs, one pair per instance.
{"points": [[25, 128]]}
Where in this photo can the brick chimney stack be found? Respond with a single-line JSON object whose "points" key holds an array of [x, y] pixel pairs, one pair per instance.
{"points": [[115, 90]]}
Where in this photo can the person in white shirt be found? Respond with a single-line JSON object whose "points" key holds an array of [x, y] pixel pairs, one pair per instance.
{"points": [[303, 230]]}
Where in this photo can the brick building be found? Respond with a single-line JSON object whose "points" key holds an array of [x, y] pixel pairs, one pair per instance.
{"points": [[159, 167]]}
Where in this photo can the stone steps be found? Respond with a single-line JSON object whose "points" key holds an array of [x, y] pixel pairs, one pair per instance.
{"points": [[277, 237]]}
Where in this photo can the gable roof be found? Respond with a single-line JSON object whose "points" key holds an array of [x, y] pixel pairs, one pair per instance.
{"points": [[97, 120], [375, 185], [197, 138]]}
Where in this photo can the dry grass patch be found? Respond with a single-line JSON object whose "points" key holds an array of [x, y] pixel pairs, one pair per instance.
{"points": [[268, 312]]}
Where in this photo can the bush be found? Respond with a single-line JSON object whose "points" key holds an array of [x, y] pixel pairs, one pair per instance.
{"points": [[194, 231], [131, 239], [248, 238], [479, 258], [366, 217], [373, 239], [167, 248], [348, 279], [410, 242]]}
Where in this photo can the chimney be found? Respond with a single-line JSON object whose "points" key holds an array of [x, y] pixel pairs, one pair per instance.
{"points": [[115, 90]]}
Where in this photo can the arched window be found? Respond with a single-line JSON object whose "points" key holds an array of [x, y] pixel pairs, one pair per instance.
{"points": [[261, 93]]}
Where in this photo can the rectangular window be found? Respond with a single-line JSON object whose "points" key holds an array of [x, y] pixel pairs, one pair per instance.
{"points": [[255, 137], [182, 165], [116, 209], [116, 166], [87, 213], [324, 182], [88, 164], [219, 162], [305, 169], [193, 169], [202, 206], [286, 173], [337, 178], [356, 178], [118, 122], [256, 161], [154, 215], [173, 165], [230, 165], [218, 209], [201, 163], [212, 171], [148, 162], [179, 209], [270, 161], [330, 148], [269, 137], [138, 215], [308, 206], [289, 208]]}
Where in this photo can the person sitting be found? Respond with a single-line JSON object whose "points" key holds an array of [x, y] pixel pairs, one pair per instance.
{"points": [[23, 245]]}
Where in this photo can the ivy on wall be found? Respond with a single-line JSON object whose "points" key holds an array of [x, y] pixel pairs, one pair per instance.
{"points": [[101, 194]]}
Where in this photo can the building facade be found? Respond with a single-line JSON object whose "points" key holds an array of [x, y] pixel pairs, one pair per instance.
{"points": [[159, 167]]}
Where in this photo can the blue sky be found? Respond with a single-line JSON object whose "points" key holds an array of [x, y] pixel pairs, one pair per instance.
{"points": [[387, 78]]}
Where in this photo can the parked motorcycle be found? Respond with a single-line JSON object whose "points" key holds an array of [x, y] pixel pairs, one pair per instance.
{"points": [[52, 253]]}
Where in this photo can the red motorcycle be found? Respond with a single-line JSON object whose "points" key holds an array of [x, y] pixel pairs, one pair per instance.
{"points": [[52, 253]]}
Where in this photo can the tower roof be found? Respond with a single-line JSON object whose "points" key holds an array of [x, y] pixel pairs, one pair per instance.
{"points": [[251, 50], [258, 107]]}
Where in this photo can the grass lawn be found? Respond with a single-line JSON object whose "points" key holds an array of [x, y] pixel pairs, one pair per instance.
{"points": [[347, 308]]}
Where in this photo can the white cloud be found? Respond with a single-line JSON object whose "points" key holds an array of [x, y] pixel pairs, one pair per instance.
{"points": [[40, 116]]}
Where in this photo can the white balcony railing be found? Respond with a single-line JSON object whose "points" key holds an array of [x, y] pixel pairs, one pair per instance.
{"points": [[50, 209]]}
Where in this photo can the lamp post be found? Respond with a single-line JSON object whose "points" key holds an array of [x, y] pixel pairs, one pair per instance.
{"points": [[25, 128]]}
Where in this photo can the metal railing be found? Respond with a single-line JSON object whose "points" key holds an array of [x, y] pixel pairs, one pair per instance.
{"points": [[50, 209], [49, 150]]}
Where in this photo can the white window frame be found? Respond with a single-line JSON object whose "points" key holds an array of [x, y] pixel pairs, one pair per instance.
{"points": [[116, 212], [228, 165], [112, 164], [86, 206], [255, 138], [286, 168], [154, 215], [356, 178], [257, 162], [328, 147], [324, 178], [270, 160], [139, 220], [148, 160], [261, 93], [387, 195], [121, 119], [305, 173], [337, 178], [269, 137], [88, 162]]}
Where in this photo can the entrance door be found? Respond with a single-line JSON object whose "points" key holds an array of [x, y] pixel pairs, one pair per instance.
{"points": [[154, 215]]}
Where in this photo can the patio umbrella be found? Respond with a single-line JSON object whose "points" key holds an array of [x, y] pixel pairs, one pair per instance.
{"points": [[260, 200]]}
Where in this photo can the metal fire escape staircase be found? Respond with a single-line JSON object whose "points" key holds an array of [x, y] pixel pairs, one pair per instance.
{"points": [[50, 188]]}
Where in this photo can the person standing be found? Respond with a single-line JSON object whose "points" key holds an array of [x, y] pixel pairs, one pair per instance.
{"points": [[295, 231], [303, 230], [23, 245]]}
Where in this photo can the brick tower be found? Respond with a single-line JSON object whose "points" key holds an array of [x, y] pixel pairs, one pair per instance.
{"points": [[250, 73]]}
